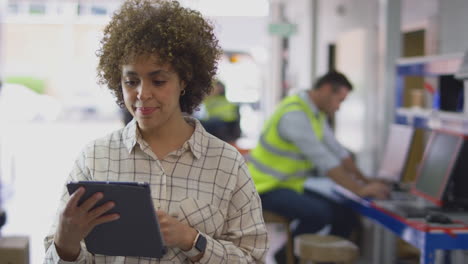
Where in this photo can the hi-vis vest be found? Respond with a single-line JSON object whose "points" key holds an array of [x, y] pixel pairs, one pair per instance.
{"points": [[219, 107], [275, 163]]}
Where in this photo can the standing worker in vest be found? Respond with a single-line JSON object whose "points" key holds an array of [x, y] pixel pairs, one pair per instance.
{"points": [[223, 119], [297, 142]]}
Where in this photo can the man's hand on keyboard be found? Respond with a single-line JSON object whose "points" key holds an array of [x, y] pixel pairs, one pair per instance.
{"points": [[376, 190]]}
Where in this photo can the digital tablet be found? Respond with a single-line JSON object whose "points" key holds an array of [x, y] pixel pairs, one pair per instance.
{"points": [[136, 232]]}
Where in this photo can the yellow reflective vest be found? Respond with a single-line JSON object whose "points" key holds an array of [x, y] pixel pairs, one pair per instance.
{"points": [[275, 163], [219, 107]]}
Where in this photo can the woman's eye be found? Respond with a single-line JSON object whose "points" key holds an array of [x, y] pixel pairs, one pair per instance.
{"points": [[159, 83], [130, 83]]}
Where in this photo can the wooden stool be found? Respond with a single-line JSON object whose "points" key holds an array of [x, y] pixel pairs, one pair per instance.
{"points": [[270, 217], [317, 248]]}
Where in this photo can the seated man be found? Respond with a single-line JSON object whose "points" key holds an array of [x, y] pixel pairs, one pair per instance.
{"points": [[296, 142], [223, 119]]}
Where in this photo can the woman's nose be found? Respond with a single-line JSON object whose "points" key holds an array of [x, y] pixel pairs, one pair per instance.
{"points": [[144, 92]]}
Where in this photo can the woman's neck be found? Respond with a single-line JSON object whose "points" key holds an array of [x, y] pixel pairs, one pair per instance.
{"points": [[169, 137]]}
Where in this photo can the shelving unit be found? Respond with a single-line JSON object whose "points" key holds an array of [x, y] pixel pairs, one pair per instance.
{"points": [[428, 118], [431, 117]]}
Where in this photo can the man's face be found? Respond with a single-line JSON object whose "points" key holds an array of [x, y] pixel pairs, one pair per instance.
{"points": [[333, 99]]}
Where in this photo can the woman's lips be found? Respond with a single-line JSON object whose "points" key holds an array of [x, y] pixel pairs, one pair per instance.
{"points": [[146, 110]]}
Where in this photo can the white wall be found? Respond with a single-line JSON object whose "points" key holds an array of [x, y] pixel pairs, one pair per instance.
{"points": [[3, 5], [415, 13], [241, 33], [300, 45], [339, 16], [450, 17], [352, 26], [453, 26]]}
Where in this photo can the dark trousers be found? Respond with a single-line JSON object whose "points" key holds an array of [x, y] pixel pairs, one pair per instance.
{"points": [[314, 211], [226, 131]]}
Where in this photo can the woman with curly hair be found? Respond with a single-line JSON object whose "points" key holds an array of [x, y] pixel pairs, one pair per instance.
{"points": [[159, 60]]}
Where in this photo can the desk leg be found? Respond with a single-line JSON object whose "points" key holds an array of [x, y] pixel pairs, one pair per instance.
{"points": [[447, 257], [384, 245], [427, 256], [458, 256], [389, 241], [376, 245]]}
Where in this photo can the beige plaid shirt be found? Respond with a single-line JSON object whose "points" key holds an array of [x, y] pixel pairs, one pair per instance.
{"points": [[205, 184]]}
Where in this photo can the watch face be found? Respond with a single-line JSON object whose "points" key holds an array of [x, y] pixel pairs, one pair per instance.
{"points": [[201, 243]]}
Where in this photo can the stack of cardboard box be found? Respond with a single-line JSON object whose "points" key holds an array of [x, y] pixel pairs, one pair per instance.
{"points": [[14, 250]]}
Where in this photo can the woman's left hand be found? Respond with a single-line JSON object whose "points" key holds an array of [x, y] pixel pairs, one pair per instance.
{"points": [[175, 233]]}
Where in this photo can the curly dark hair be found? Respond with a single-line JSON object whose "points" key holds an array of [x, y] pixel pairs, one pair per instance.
{"points": [[178, 36]]}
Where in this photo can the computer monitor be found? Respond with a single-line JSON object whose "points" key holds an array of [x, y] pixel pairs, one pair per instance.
{"points": [[396, 153], [456, 194], [436, 166]]}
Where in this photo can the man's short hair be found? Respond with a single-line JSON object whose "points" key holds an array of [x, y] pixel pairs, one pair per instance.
{"points": [[335, 79], [222, 87]]}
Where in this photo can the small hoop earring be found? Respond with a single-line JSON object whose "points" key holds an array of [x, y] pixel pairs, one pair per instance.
{"points": [[183, 92]]}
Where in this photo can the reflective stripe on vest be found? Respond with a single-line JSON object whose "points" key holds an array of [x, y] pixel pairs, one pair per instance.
{"points": [[275, 163], [219, 107]]}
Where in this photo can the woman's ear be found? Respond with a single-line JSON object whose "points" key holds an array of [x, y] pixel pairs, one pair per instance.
{"points": [[183, 85]]}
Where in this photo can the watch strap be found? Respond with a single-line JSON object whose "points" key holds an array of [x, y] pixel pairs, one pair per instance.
{"points": [[193, 251]]}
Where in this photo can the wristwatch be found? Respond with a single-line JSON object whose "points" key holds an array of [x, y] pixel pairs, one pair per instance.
{"points": [[199, 246]]}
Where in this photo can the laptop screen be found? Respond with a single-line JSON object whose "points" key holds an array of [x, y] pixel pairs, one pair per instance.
{"points": [[396, 152], [439, 158]]}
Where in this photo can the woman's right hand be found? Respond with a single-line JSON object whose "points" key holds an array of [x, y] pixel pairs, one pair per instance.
{"points": [[76, 222]]}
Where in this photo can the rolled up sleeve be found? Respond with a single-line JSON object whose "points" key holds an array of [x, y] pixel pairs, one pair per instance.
{"points": [[295, 127], [244, 238]]}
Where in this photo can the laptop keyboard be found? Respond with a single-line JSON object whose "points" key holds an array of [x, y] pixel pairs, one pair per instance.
{"points": [[405, 208], [411, 211], [401, 196]]}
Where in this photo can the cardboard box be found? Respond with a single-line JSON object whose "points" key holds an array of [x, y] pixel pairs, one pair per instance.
{"points": [[14, 250]]}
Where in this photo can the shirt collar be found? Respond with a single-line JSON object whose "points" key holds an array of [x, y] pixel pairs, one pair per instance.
{"points": [[129, 135], [304, 95], [197, 143]]}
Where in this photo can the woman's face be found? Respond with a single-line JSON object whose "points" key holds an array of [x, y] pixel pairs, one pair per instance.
{"points": [[151, 92]]}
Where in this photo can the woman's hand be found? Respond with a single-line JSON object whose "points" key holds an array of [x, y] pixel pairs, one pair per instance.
{"points": [[76, 222], [175, 233]]}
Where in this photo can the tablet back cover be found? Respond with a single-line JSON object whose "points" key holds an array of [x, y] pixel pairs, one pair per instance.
{"points": [[136, 232]]}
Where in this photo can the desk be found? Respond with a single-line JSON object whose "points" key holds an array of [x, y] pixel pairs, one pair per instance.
{"points": [[427, 237]]}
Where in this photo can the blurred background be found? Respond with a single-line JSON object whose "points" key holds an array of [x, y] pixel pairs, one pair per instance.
{"points": [[51, 105]]}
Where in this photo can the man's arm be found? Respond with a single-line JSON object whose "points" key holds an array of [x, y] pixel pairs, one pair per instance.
{"points": [[350, 166], [347, 162], [296, 128]]}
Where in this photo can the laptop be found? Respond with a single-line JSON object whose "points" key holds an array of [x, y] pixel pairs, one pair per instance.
{"points": [[395, 160], [429, 190], [396, 152], [393, 163]]}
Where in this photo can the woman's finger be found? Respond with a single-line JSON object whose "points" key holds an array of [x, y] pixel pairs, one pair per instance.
{"points": [[97, 212], [104, 219], [91, 201], [74, 198]]}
